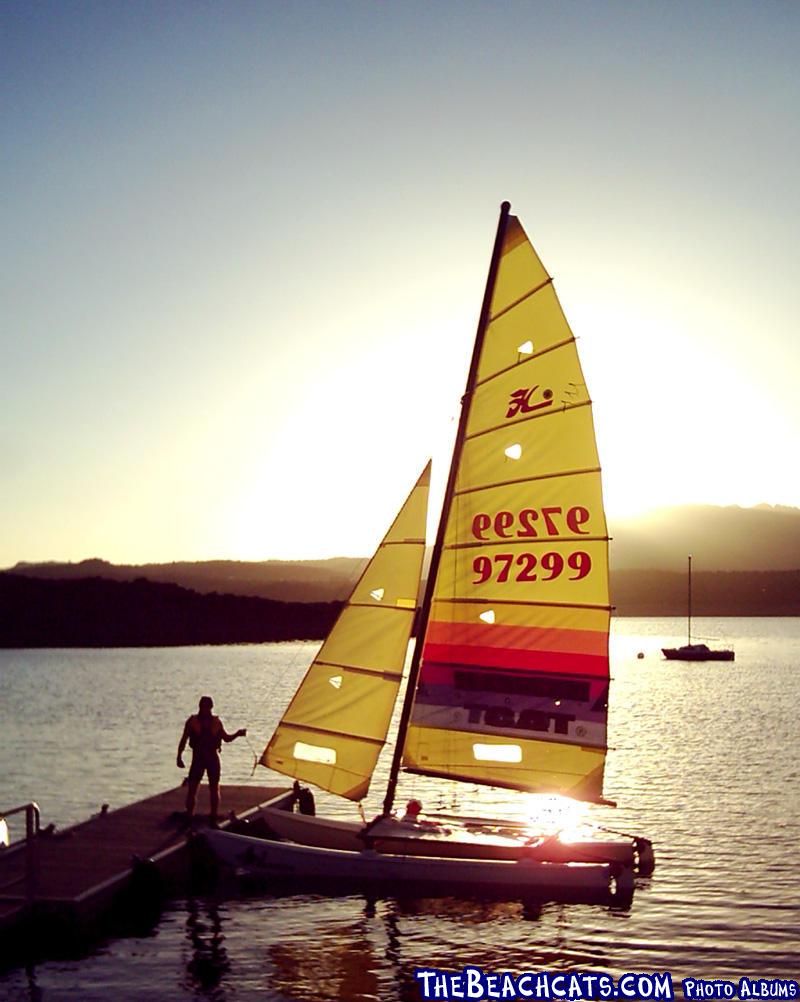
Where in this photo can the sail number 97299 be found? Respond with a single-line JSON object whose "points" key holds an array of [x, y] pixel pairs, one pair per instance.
{"points": [[529, 567], [531, 523]]}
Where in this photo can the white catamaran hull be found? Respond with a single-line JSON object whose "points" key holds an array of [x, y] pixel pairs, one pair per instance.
{"points": [[393, 837], [293, 865]]}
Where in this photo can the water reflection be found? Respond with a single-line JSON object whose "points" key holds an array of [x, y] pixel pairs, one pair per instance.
{"points": [[703, 764], [358, 948], [34, 993], [494, 935], [208, 963], [325, 969]]}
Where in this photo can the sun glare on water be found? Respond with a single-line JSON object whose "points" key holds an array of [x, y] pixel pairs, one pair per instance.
{"points": [[551, 814]]}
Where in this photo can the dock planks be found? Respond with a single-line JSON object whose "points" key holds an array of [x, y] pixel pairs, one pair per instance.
{"points": [[81, 869]]}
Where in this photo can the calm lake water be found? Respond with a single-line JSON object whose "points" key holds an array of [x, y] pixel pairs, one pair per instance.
{"points": [[704, 762]]}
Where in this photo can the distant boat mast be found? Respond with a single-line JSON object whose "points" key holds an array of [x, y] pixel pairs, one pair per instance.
{"points": [[689, 605]]}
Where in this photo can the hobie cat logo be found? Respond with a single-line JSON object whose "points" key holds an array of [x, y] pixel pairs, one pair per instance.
{"points": [[524, 402]]}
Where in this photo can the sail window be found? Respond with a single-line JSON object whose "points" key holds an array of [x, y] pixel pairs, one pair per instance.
{"points": [[497, 753], [314, 753], [514, 451], [336, 681], [378, 594], [488, 616], [521, 685], [526, 349]]}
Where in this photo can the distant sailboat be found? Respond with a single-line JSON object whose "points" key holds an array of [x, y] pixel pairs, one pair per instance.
{"points": [[690, 651], [508, 685]]}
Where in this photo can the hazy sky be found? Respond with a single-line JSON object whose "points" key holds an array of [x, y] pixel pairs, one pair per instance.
{"points": [[244, 247]]}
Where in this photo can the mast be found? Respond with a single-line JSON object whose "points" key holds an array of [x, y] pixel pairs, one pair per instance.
{"points": [[413, 674], [689, 604]]}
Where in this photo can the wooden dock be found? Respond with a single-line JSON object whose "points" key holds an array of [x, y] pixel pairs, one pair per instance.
{"points": [[81, 871]]}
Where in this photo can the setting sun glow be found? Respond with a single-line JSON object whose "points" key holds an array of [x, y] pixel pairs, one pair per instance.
{"points": [[240, 299]]}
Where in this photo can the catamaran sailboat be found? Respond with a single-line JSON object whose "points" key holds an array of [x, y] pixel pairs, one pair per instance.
{"points": [[508, 683]]}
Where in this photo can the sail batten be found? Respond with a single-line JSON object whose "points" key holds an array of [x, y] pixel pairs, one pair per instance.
{"points": [[510, 602], [335, 726], [381, 673], [529, 480], [305, 728], [532, 357], [512, 688], [525, 542], [522, 298], [385, 608]]}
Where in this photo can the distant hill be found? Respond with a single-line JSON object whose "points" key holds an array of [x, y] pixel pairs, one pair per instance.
{"points": [[763, 538], [746, 562], [94, 612], [721, 593], [282, 580]]}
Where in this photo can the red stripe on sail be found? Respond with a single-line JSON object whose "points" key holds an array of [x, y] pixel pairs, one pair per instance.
{"points": [[551, 662], [527, 638]]}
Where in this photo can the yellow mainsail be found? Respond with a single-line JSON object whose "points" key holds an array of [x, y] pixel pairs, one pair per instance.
{"points": [[336, 725], [513, 682]]}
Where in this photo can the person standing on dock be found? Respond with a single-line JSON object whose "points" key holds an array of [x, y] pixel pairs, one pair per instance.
{"points": [[205, 734]]}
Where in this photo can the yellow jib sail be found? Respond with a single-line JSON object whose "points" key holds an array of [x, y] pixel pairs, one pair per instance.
{"points": [[336, 725], [513, 685]]}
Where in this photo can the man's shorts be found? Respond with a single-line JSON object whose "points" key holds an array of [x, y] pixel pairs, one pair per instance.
{"points": [[204, 763]]}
